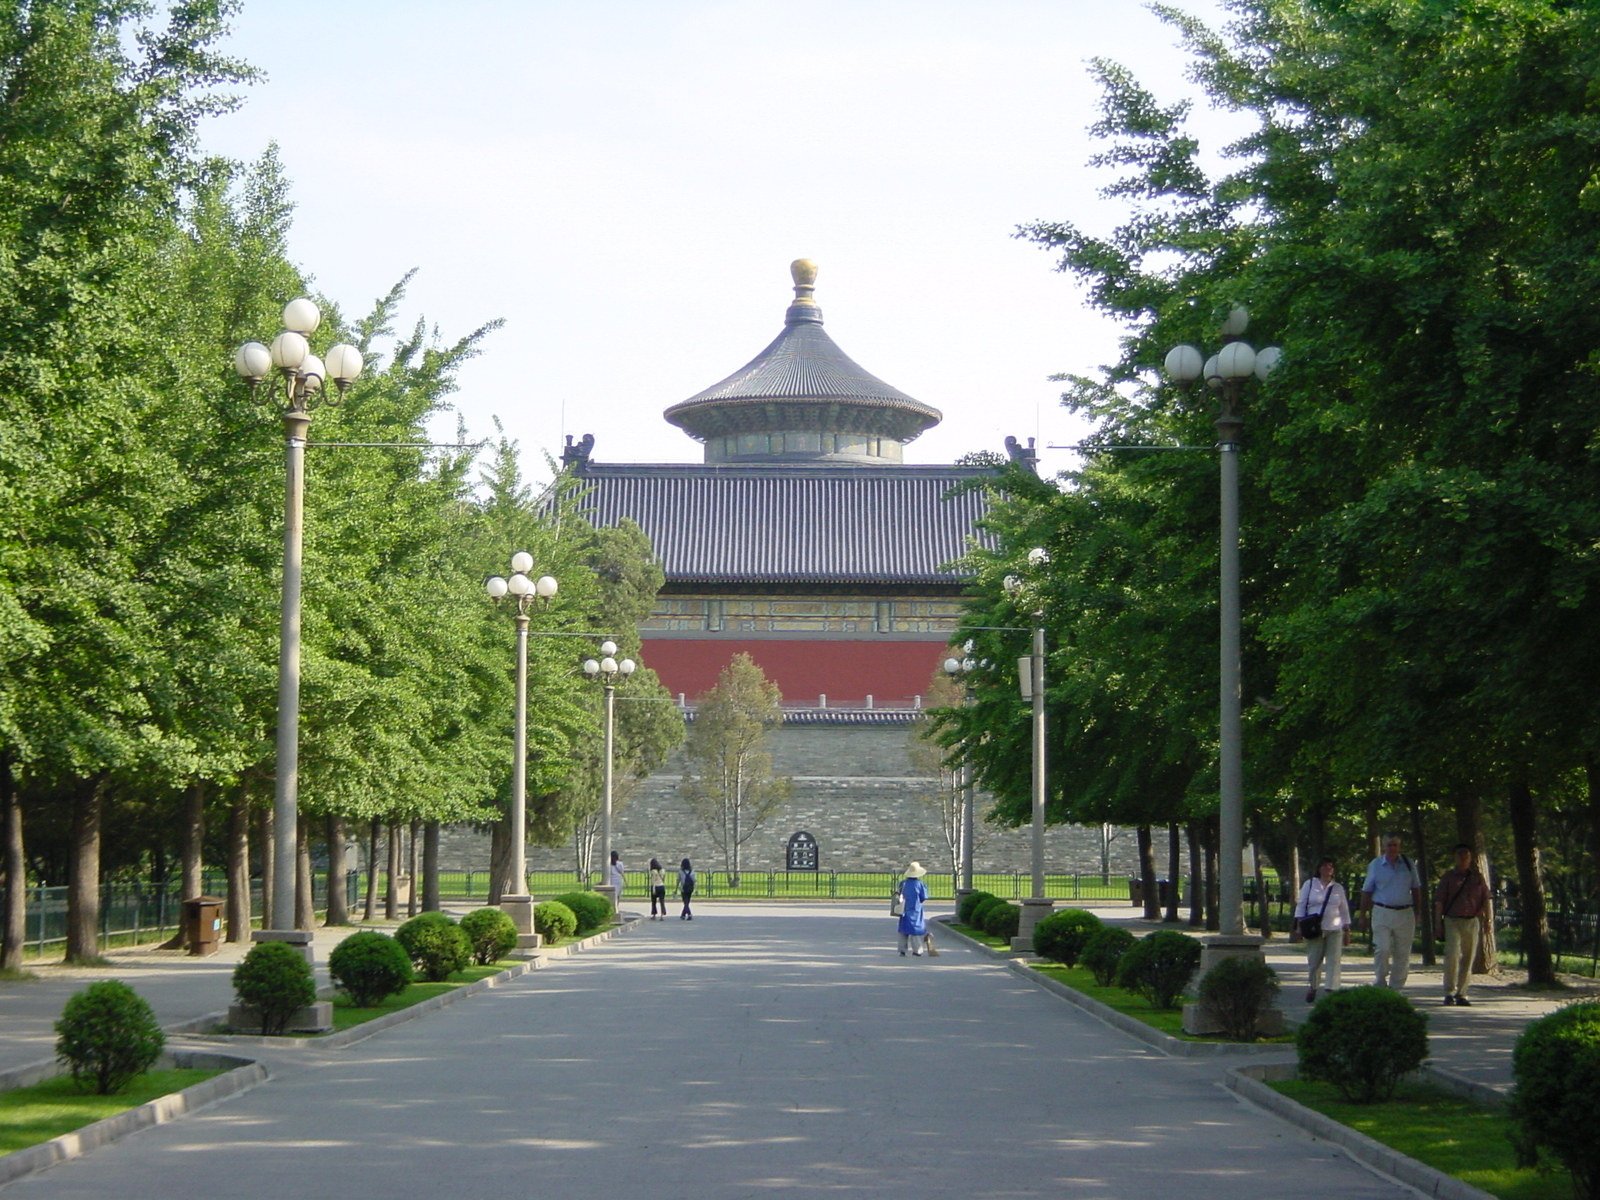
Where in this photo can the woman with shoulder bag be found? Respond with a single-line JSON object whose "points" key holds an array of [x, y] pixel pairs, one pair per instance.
{"points": [[907, 905], [1322, 918]]}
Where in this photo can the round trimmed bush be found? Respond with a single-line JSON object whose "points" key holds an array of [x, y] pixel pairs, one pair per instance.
{"points": [[108, 1035], [276, 981], [1362, 1041], [1063, 935], [1159, 966], [591, 908], [491, 934], [369, 967], [1555, 1105], [968, 904], [1239, 990], [981, 909], [1103, 952], [1001, 920], [553, 920], [437, 947]]}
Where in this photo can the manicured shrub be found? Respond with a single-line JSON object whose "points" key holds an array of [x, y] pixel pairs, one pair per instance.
{"points": [[591, 908], [1159, 967], [1000, 920], [1555, 1105], [981, 909], [1063, 935], [1239, 990], [108, 1035], [437, 947], [276, 981], [553, 920], [370, 967], [968, 904], [1103, 952], [491, 934], [1362, 1041]]}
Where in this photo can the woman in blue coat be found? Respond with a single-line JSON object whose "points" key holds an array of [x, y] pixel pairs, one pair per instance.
{"points": [[913, 926]]}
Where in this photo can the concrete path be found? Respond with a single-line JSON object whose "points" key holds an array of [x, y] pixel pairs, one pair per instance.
{"points": [[756, 1051]]}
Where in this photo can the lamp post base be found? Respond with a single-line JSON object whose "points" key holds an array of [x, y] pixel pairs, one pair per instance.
{"points": [[299, 939], [609, 891], [1034, 910], [1198, 1019]]}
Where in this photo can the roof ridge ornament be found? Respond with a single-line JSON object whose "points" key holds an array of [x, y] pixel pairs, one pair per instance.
{"points": [[804, 307]]}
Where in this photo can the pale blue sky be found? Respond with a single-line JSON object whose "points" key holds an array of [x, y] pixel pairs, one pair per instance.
{"points": [[625, 183]]}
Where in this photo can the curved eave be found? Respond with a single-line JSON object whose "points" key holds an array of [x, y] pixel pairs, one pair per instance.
{"points": [[714, 418]]}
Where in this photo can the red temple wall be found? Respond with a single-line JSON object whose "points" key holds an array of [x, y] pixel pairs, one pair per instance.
{"points": [[847, 672]]}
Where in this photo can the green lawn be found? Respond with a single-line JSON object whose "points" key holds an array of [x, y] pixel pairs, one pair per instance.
{"points": [[1446, 1132], [346, 1015], [47, 1110], [1081, 979]]}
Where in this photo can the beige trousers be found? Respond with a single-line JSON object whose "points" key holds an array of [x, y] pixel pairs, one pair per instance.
{"points": [[1460, 948]]}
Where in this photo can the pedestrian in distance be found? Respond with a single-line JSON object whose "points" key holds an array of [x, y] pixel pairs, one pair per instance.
{"points": [[658, 890], [1322, 921], [912, 895], [1390, 896], [686, 888], [617, 875], [1460, 912]]}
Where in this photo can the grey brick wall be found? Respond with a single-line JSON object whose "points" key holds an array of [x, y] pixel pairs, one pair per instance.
{"points": [[852, 792]]}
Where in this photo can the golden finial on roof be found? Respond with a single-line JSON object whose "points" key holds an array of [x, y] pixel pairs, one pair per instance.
{"points": [[804, 273]]}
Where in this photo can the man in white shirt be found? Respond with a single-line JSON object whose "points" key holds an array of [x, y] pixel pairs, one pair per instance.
{"points": [[1390, 896]]}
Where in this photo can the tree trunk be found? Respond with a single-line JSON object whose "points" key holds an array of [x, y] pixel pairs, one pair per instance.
{"points": [[411, 868], [1197, 878], [430, 867], [1429, 957], [1534, 920], [1147, 875], [305, 901], [371, 913], [391, 894], [499, 859], [1294, 874], [14, 920], [1469, 832], [1174, 871], [1263, 901], [239, 870], [192, 823], [338, 895], [1213, 901], [83, 871], [264, 847]]}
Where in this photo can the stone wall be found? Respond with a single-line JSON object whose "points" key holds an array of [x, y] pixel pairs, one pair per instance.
{"points": [[851, 791]]}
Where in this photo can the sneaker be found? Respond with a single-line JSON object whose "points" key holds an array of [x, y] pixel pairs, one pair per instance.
{"points": [[1449, 1000], [916, 954], [1463, 1002], [1311, 996], [902, 954]]}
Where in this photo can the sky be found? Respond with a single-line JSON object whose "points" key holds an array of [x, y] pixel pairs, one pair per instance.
{"points": [[624, 183]]}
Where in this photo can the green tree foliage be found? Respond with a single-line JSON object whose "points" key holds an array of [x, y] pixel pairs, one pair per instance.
{"points": [[108, 1035], [728, 781]]}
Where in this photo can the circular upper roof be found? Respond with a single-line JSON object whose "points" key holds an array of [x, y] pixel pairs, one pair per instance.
{"points": [[803, 381]]}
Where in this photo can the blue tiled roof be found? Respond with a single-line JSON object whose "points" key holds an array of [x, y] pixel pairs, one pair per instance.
{"points": [[814, 524]]}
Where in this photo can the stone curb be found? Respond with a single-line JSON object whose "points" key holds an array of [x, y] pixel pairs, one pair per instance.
{"points": [[1249, 1083], [1132, 1026], [243, 1076]]}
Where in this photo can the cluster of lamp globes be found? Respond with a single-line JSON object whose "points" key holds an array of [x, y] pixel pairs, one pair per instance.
{"points": [[290, 353], [607, 664], [1235, 361], [1037, 557], [519, 586]]}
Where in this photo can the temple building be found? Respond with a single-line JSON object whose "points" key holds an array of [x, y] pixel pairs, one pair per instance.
{"points": [[805, 540]]}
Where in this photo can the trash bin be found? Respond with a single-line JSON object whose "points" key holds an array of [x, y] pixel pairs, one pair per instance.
{"points": [[202, 924], [1136, 891]]}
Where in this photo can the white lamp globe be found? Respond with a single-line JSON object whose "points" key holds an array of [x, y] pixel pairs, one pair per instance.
{"points": [[1183, 364], [312, 372], [1236, 322], [952, 665], [969, 664], [1267, 361], [252, 360], [301, 316], [545, 586], [1012, 583], [344, 363], [1236, 360], [591, 667], [496, 587], [519, 585], [607, 649], [1038, 556], [608, 665], [627, 666], [522, 562], [289, 350]]}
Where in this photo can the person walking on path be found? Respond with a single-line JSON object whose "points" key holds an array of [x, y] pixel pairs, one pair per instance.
{"points": [[913, 924], [658, 890], [686, 888], [617, 875], [1390, 896], [1460, 910], [1323, 897]]}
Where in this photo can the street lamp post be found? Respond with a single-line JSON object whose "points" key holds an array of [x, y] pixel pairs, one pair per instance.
{"points": [[1226, 373], [957, 669], [301, 375], [1030, 676], [515, 899], [605, 669]]}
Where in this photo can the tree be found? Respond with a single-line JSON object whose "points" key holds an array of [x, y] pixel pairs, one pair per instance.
{"points": [[946, 797], [728, 781]]}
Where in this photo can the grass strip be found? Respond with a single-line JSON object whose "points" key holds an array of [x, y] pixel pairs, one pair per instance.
{"points": [[1448, 1133], [42, 1111], [346, 1015]]}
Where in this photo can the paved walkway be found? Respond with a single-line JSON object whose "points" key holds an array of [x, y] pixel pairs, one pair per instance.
{"points": [[757, 1051]]}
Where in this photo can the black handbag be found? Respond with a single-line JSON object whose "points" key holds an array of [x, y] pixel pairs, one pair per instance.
{"points": [[1311, 926]]}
